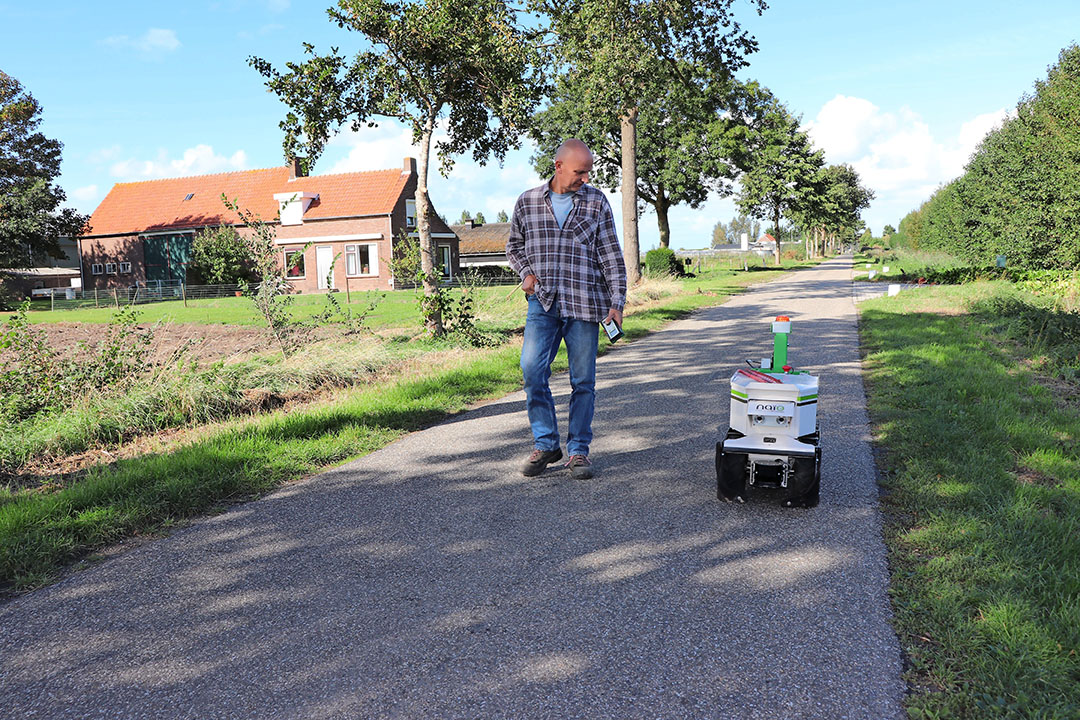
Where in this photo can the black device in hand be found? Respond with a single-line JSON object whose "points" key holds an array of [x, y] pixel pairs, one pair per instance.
{"points": [[614, 332]]}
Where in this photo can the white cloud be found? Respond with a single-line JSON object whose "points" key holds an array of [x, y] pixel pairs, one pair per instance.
{"points": [[198, 160], [85, 195], [895, 153], [154, 42]]}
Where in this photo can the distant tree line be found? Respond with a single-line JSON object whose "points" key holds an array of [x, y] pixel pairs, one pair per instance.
{"points": [[1019, 195]]}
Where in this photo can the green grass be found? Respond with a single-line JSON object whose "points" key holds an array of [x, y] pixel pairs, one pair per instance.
{"points": [[395, 308], [42, 529], [981, 462], [901, 262]]}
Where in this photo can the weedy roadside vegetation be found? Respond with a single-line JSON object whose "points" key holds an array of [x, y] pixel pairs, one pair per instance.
{"points": [[974, 397]]}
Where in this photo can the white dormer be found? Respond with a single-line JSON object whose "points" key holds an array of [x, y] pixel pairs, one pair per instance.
{"points": [[293, 205]]}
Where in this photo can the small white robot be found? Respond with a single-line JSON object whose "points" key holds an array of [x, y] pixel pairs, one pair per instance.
{"points": [[772, 438]]}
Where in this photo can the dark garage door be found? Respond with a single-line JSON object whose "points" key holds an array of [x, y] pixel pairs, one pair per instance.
{"points": [[167, 256]]}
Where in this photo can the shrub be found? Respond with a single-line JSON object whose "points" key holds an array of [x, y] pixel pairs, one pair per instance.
{"points": [[662, 260], [219, 256], [34, 379]]}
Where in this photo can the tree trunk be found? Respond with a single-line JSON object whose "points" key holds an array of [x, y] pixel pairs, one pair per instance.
{"points": [[433, 315], [631, 254], [661, 206]]}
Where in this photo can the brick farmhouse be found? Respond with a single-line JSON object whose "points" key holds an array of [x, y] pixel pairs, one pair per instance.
{"points": [[141, 233]]}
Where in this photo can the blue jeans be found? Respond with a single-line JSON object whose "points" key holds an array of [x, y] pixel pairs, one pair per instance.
{"points": [[544, 330]]}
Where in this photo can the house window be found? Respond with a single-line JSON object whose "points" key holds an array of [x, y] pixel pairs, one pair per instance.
{"points": [[410, 213], [361, 260], [444, 260], [110, 268], [125, 268], [97, 268], [294, 264]]}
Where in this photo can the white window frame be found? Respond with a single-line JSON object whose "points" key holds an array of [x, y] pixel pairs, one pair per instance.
{"points": [[110, 268], [410, 213], [97, 269], [446, 255], [285, 261], [373, 259], [125, 268]]}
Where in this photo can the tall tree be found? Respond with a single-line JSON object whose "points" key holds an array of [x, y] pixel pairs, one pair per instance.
{"points": [[831, 205], [503, 217], [612, 52], [781, 167], [688, 135], [31, 219], [466, 61], [719, 234]]}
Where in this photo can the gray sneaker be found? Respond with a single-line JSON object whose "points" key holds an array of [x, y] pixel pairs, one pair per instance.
{"points": [[580, 467], [539, 460]]}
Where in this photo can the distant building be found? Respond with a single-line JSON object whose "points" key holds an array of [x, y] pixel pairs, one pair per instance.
{"points": [[482, 244], [142, 232], [54, 273]]}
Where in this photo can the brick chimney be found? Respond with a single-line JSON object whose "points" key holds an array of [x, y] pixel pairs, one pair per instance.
{"points": [[296, 168], [409, 167]]}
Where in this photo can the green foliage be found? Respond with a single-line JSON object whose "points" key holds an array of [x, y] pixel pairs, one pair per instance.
{"points": [[466, 216], [8, 301], [35, 379], [1020, 193], [617, 58], [271, 296], [782, 171], [689, 134], [458, 313], [730, 233], [219, 256], [503, 217], [335, 313], [31, 219], [479, 218], [464, 60], [662, 261], [831, 205], [910, 233]]}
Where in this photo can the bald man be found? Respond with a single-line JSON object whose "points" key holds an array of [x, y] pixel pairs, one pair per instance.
{"points": [[563, 246]]}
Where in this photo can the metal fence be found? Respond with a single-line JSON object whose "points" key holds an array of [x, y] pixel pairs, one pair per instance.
{"points": [[72, 298]]}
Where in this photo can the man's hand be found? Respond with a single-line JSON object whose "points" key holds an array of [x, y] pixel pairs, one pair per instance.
{"points": [[529, 284], [615, 315]]}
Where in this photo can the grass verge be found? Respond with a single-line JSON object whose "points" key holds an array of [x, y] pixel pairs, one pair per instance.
{"points": [[240, 459], [981, 463]]}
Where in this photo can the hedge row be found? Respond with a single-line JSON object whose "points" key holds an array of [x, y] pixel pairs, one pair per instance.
{"points": [[1020, 193]]}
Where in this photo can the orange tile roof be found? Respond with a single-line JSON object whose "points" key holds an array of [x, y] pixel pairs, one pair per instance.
{"points": [[486, 238], [152, 205]]}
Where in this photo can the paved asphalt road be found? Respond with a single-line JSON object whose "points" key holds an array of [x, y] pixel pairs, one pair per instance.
{"points": [[431, 580]]}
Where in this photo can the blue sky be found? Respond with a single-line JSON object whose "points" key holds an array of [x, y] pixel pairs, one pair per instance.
{"points": [[903, 91]]}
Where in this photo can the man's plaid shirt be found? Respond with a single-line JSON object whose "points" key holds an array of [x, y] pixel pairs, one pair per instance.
{"points": [[579, 266]]}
